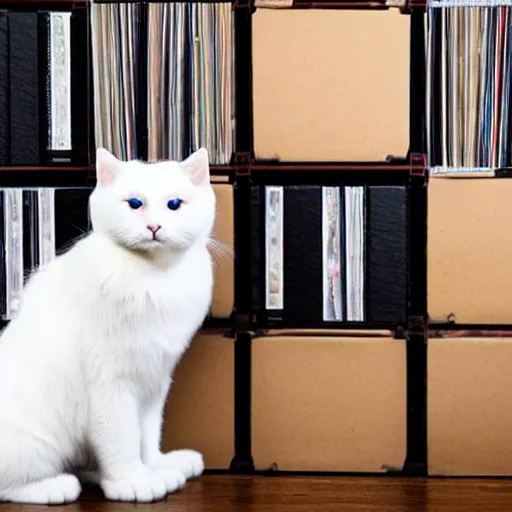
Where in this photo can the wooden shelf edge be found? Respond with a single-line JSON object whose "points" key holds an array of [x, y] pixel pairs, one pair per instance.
{"points": [[27, 4], [369, 4], [46, 168], [297, 4], [332, 167], [256, 167]]}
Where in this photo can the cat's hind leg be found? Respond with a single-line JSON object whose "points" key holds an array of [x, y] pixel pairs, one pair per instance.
{"points": [[63, 488], [32, 468]]}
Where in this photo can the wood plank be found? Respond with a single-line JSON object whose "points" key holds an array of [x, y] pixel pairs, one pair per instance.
{"points": [[223, 493]]}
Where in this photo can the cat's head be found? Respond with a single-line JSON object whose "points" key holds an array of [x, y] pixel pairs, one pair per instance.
{"points": [[166, 206]]}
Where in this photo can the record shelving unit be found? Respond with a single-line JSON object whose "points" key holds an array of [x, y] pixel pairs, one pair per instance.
{"points": [[250, 316], [407, 315]]}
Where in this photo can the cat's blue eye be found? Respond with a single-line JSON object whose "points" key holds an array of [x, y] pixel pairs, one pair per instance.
{"points": [[134, 203], [174, 204]]}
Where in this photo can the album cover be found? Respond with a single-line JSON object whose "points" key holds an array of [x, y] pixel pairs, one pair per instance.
{"points": [[274, 247], [332, 249], [12, 249], [355, 255]]}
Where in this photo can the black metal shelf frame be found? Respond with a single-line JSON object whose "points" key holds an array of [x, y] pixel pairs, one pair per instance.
{"points": [[249, 172]]}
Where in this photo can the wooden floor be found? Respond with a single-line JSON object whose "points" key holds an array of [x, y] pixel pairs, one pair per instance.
{"points": [[305, 494]]}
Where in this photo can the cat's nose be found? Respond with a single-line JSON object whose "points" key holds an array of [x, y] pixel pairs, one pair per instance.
{"points": [[153, 228]]}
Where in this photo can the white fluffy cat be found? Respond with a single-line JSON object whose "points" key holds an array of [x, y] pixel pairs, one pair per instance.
{"points": [[86, 365]]}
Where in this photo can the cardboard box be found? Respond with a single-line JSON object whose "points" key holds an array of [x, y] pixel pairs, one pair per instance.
{"points": [[223, 292], [469, 406], [330, 85], [200, 408], [326, 403], [470, 250]]}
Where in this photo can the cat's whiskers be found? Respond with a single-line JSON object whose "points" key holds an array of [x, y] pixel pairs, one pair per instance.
{"points": [[219, 250], [71, 243]]}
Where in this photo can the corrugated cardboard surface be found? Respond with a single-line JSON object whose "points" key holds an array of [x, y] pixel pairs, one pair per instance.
{"points": [[469, 406], [200, 408], [470, 250], [223, 292], [328, 403], [330, 85]]}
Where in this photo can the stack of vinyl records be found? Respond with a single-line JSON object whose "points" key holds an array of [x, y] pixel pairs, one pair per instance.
{"points": [[38, 123], [35, 225], [163, 79], [469, 63], [333, 255]]}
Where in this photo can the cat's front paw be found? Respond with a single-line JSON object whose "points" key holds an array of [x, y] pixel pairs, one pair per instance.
{"points": [[188, 462], [154, 485]]}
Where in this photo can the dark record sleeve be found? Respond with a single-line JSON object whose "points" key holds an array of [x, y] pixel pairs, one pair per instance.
{"points": [[24, 88], [71, 216], [2, 257], [302, 255], [258, 256], [4, 90], [387, 254], [30, 230]]}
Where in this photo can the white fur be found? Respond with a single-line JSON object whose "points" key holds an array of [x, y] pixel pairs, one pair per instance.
{"points": [[86, 365]]}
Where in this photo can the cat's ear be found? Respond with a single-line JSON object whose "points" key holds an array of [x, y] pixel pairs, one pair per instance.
{"points": [[197, 168], [107, 166]]}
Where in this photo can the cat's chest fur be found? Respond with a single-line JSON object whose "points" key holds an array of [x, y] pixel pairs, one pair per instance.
{"points": [[139, 306], [93, 322], [113, 316], [144, 318]]}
